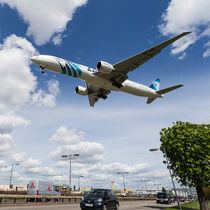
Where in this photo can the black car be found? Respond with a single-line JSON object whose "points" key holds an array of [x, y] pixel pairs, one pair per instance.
{"points": [[163, 197], [99, 199]]}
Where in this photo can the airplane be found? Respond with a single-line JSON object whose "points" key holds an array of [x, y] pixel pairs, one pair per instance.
{"points": [[107, 77]]}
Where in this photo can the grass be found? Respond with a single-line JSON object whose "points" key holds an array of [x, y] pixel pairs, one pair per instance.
{"points": [[187, 206]]}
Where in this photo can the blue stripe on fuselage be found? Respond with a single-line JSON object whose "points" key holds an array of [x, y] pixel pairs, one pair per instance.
{"points": [[77, 68], [63, 70], [69, 69], [73, 69]]}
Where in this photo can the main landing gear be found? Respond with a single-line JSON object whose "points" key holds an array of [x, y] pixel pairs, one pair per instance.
{"points": [[102, 96], [116, 84]]}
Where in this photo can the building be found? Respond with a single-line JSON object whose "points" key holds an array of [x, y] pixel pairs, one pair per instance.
{"points": [[14, 188]]}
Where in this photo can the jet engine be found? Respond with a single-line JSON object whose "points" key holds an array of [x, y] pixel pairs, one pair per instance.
{"points": [[81, 90], [105, 67]]}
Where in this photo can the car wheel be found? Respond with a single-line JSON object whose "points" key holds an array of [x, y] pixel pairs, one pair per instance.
{"points": [[117, 207], [104, 207]]}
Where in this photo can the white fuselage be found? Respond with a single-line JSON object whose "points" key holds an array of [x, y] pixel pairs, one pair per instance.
{"points": [[89, 75]]}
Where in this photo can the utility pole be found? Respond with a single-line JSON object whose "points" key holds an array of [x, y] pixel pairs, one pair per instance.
{"points": [[123, 175], [156, 149], [10, 180], [145, 182], [79, 182], [69, 156]]}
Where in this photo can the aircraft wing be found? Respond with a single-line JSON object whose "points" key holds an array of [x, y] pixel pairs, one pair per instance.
{"points": [[95, 93], [135, 61]]}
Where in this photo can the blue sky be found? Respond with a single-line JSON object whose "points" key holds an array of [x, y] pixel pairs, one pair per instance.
{"points": [[42, 118]]}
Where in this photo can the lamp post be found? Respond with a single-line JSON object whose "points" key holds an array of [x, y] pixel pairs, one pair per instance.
{"points": [[79, 181], [10, 180], [157, 149], [69, 156], [145, 182], [157, 186], [123, 175]]}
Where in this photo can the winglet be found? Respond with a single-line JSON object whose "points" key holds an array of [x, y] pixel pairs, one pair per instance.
{"points": [[187, 32]]}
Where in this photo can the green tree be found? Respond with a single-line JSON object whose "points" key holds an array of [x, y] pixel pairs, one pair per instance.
{"points": [[187, 147]]}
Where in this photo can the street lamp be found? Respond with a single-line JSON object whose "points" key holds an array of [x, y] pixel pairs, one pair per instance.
{"points": [[123, 175], [145, 182], [69, 156], [157, 149], [157, 186], [10, 180], [79, 181]]}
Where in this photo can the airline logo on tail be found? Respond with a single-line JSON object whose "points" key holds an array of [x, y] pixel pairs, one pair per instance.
{"points": [[155, 85]]}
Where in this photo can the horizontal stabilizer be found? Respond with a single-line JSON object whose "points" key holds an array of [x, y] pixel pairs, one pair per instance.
{"points": [[163, 91], [150, 100]]}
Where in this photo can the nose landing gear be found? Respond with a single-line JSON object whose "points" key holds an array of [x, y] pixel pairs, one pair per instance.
{"points": [[43, 69]]}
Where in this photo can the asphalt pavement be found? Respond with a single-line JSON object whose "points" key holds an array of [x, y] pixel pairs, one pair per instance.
{"points": [[124, 205]]}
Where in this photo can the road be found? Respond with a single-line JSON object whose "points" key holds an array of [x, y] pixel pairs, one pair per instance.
{"points": [[124, 205]]}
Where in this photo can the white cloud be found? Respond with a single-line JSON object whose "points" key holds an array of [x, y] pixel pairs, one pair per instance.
{"points": [[90, 152], [8, 121], [31, 163], [65, 136], [72, 144], [183, 43], [18, 157], [39, 171], [188, 15], [17, 81], [207, 46], [57, 40], [113, 168], [206, 53], [3, 163], [45, 18], [6, 144], [18, 86], [44, 99]]}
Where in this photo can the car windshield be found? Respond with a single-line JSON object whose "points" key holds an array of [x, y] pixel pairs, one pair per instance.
{"points": [[162, 195], [97, 192]]}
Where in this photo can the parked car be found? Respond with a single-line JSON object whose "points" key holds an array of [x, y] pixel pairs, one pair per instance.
{"points": [[37, 187], [102, 199], [163, 197], [181, 199]]}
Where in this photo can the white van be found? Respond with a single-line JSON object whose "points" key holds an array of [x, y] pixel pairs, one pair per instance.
{"points": [[38, 187]]}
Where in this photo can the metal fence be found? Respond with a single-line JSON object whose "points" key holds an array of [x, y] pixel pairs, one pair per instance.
{"points": [[14, 199]]}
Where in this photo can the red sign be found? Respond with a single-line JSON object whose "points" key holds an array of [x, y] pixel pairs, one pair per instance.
{"points": [[32, 185]]}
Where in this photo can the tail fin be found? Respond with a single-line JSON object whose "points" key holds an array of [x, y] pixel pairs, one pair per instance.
{"points": [[163, 91], [155, 85]]}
